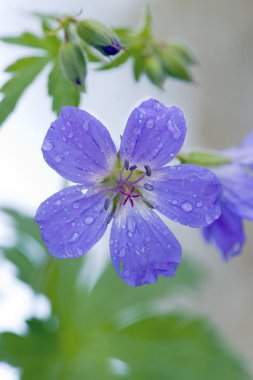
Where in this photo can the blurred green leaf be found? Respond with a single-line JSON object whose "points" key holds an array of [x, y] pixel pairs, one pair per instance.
{"points": [[176, 348], [23, 71], [112, 332], [207, 159], [63, 92], [25, 39]]}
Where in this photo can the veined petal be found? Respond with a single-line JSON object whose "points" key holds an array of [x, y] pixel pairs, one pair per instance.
{"points": [[237, 186], [142, 247], [72, 222], [79, 147], [154, 134], [187, 194], [227, 234]]}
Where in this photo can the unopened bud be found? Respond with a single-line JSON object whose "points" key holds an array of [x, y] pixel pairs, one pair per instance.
{"points": [[73, 63], [204, 158], [154, 70], [99, 36], [174, 64]]}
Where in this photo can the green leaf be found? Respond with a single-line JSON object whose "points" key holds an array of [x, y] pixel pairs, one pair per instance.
{"points": [[25, 39], [175, 348], [116, 62], [92, 57], [206, 159], [24, 71], [61, 89]]}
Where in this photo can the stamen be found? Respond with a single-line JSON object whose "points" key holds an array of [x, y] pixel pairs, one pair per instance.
{"points": [[148, 186], [126, 164], [132, 168], [148, 170], [106, 204]]}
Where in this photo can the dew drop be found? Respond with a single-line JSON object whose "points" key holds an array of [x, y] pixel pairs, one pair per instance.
{"points": [[74, 237], [75, 205], [48, 145], [67, 152], [88, 220], [131, 225], [58, 202], [172, 127], [86, 125], [186, 206], [199, 204], [70, 135], [84, 191], [58, 158], [174, 201], [208, 219], [122, 252], [150, 123], [137, 131]]}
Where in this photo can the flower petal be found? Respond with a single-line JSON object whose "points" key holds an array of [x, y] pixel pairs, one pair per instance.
{"points": [[227, 233], [243, 154], [79, 147], [72, 222], [142, 247], [237, 186], [153, 135], [187, 194]]}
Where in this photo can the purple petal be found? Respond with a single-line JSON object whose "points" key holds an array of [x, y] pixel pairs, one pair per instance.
{"points": [[237, 186], [142, 247], [243, 154], [72, 222], [154, 134], [227, 234], [79, 147], [187, 194]]}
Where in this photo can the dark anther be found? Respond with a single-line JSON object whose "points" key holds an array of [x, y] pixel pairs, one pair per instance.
{"points": [[106, 204], [126, 164], [148, 170], [109, 217], [148, 186], [132, 168]]}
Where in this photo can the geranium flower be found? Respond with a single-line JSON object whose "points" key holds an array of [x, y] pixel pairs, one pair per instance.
{"points": [[124, 187], [237, 200]]}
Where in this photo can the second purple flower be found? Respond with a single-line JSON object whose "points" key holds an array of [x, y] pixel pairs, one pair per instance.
{"points": [[124, 188]]}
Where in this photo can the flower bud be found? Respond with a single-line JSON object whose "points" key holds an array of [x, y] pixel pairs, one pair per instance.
{"points": [[73, 63], [173, 64], [154, 70], [204, 158], [99, 36]]}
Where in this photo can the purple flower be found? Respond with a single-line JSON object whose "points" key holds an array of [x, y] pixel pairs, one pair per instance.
{"points": [[124, 187], [237, 200]]}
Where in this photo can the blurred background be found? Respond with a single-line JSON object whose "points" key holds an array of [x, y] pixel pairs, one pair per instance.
{"points": [[218, 110]]}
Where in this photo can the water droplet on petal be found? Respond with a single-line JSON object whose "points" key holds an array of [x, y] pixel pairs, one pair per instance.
{"points": [[48, 145], [84, 191], [131, 224], [88, 220], [186, 206], [75, 205], [208, 219], [122, 252], [74, 237], [174, 201], [137, 131], [86, 125], [58, 202], [58, 158], [199, 204], [173, 128], [150, 123], [70, 135]]}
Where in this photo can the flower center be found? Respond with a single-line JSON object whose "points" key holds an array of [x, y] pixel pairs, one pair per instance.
{"points": [[126, 186]]}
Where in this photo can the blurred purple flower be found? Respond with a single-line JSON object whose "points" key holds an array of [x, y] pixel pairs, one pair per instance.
{"points": [[237, 200], [124, 188]]}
